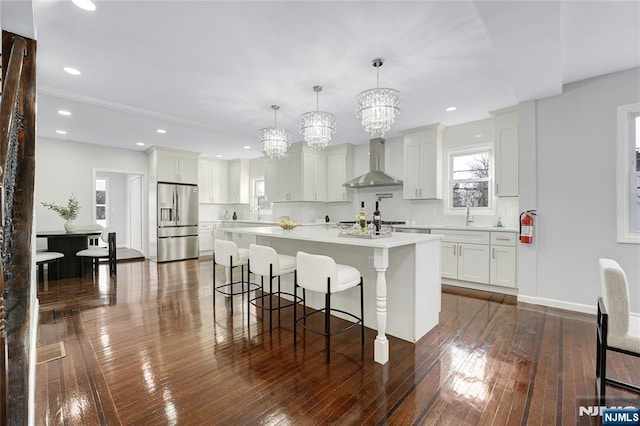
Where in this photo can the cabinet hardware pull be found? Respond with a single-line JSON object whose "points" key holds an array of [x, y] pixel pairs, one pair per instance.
{"points": [[493, 253], [502, 239], [454, 249]]}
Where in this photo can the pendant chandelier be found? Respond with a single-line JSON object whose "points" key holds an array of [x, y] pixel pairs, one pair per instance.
{"points": [[377, 108], [317, 127], [274, 141]]}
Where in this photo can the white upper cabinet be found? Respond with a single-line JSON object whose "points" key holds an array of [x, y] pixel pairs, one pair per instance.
{"points": [[213, 181], [239, 181], [506, 152], [423, 163], [339, 171], [177, 166], [300, 176], [271, 179]]}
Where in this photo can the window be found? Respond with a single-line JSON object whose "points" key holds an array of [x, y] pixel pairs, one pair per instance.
{"points": [[628, 176], [101, 201], [259, 201], [470, 174]]}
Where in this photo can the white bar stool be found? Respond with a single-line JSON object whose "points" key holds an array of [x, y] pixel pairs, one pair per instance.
{"points": [[321, 274], [227, 254], [266, 262], [46, 257]]}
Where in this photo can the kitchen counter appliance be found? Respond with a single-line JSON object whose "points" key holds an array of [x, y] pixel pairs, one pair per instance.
{"points": [[177, 222]]}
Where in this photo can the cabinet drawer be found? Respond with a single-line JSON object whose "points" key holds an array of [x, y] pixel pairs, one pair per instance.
{"points": [[455, 236], [503, 238]]}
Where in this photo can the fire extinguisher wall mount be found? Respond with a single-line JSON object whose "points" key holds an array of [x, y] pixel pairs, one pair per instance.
{"points": [[526, 226]]}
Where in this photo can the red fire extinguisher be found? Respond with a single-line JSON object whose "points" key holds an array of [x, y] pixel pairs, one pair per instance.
{"points": [[526, 226]]}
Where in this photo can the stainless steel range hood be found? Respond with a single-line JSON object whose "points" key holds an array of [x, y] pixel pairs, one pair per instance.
{"points": [[376, 176]]}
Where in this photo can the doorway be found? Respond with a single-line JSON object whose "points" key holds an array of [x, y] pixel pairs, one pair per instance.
{"points": [[119, 202]]}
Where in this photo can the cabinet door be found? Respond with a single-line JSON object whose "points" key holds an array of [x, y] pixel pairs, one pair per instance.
{"points": [[411, 185], [336, 176], [503, 266], [319, 176], [271, 180], [449, 260], [234, 184], [204, 182], [473, 263], [167, 169], [188, 170], [290, 177], [219, 184], [506, 148], [430, 169], [506, 152]]}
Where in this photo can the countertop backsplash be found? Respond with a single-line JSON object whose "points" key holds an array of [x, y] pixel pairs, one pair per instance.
{"points": [[414, 212]]}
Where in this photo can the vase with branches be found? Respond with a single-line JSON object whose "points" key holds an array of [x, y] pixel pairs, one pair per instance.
{"points": [[68, 212]]}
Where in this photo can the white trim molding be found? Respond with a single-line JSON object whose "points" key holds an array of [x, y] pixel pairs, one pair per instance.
{"points": [[626, 175]]}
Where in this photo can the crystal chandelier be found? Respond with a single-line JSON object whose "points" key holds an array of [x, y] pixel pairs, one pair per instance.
{"points": [[317, 127], [274, 141], [377, 108]]}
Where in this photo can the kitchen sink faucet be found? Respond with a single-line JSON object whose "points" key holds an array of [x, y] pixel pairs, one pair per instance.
{"points": [[468, 219]]}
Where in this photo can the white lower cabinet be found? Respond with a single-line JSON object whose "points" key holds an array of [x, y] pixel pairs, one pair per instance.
{"points": [[503, 259], [479, 256], [473, 263]]}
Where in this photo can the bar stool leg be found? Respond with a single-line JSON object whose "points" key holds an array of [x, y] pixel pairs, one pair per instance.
{"points": [[361, 311], [327, 320]]}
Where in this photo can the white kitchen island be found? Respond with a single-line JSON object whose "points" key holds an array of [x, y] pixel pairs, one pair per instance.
{"points": [[404, 267]]}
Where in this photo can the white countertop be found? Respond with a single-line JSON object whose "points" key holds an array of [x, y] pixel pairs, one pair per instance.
{"points": [[459, 227], [324, 235]]}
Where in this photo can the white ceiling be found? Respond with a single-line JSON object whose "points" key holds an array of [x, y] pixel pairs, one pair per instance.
{"points": [[207, 71]]}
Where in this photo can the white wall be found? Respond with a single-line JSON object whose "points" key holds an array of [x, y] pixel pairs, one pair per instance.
{"points": [[568, 172], [64, 168]]}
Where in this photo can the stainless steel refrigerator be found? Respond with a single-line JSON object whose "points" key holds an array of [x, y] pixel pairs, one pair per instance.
{"points": [[177, 222]]}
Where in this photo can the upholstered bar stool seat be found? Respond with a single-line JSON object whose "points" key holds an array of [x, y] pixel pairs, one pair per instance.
{"points": [[227, 254], [617, 330], [46, 257], [321, 274], [266, 262]]}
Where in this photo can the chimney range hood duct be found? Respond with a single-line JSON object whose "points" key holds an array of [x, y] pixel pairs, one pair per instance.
{"points": [[375, 176]]}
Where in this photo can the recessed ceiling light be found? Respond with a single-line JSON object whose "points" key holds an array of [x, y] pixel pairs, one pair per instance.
{"points": [[140, 143], [479, 135], [61, 132], [63, 112], [219, 156], [449, 109], [85, 5], [247, 147], [72, 71], [161, 131]]}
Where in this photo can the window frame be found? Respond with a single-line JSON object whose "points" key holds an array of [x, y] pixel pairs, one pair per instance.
{"points": [[627, 176], [464, 151], [254, 197]]}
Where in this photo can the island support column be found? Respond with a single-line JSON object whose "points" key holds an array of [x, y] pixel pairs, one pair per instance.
{"points": [[381, 344]]}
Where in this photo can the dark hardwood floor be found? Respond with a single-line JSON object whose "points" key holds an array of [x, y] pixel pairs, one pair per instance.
{"points": [[149, 348]]}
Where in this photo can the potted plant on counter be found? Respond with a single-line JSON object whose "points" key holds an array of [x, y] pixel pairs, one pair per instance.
{"points": [[68, 212]]}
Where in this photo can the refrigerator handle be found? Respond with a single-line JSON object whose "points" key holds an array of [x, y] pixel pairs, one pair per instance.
{"points": [[177, 206]]}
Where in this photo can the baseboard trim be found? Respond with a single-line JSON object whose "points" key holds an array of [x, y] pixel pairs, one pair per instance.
{"points": [[559, 304], [479, 286]]}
